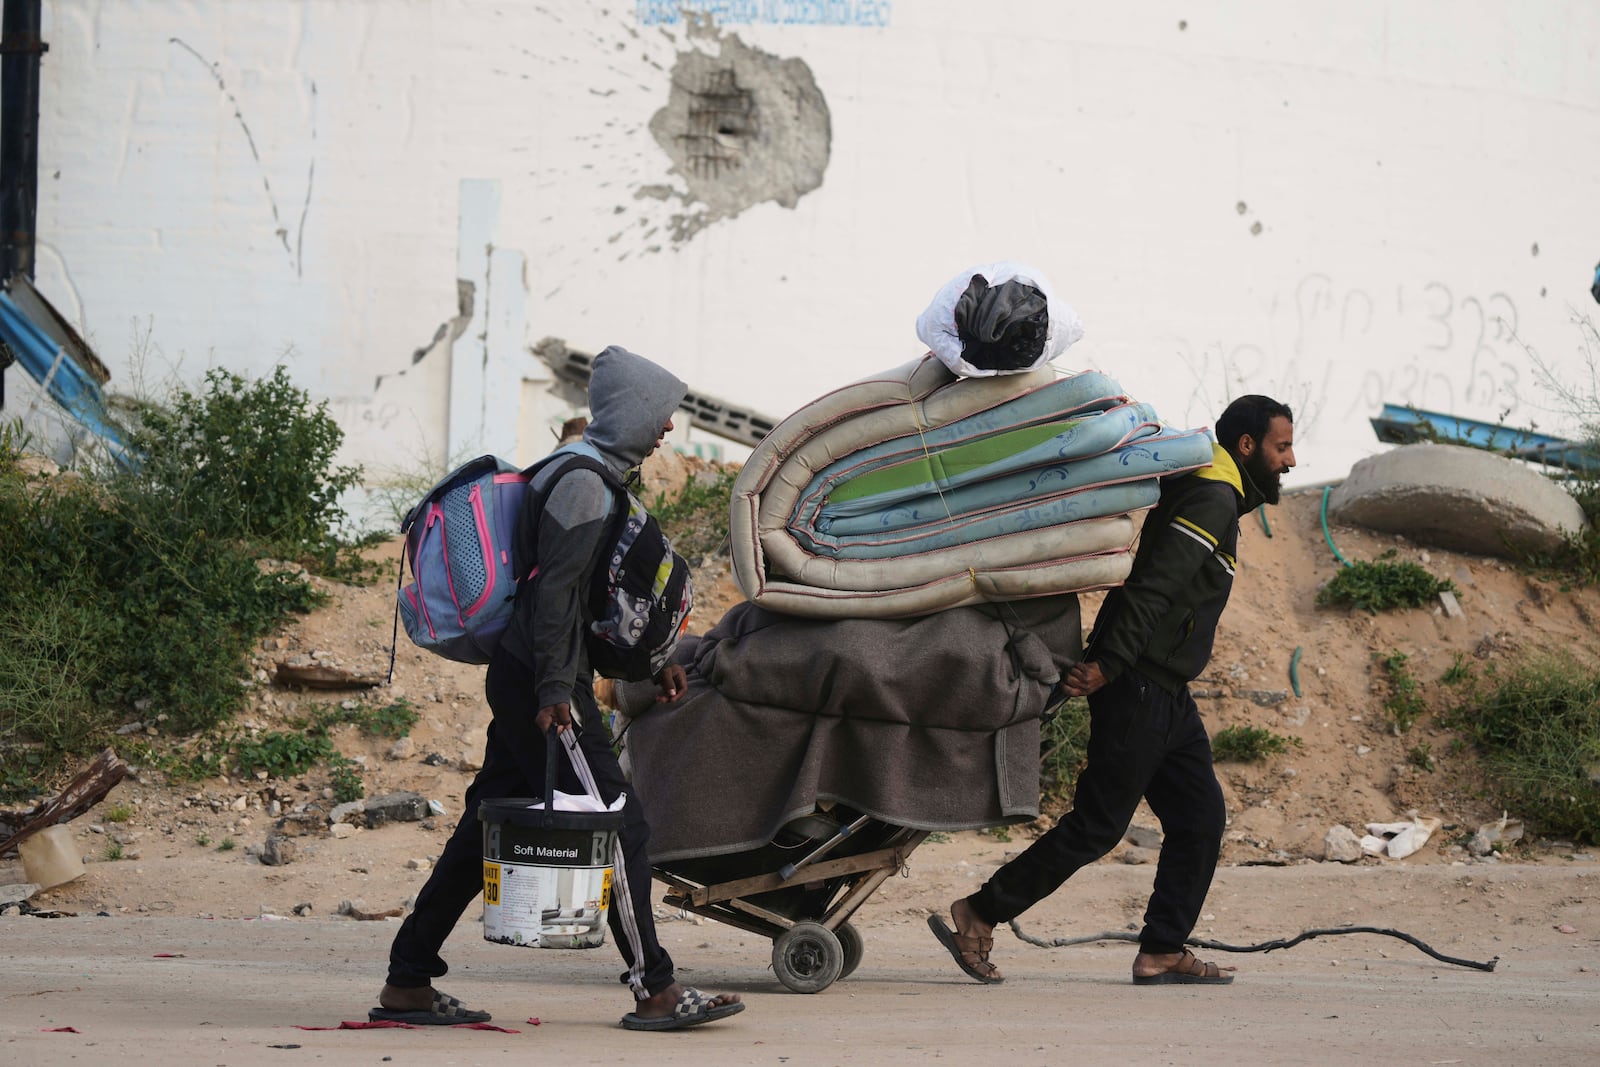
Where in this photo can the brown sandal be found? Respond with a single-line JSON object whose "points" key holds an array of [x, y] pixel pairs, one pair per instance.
{"points": [[1189, 970], [970, 953]]}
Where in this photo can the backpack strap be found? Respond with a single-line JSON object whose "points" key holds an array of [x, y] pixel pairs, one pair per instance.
{"points": [[576, 456], [394, 637]]}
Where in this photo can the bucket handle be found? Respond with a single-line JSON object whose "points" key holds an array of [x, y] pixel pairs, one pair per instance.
{"points": [[551, 743], [569, 741]]}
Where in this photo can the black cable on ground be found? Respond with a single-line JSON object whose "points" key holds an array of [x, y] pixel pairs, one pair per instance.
{"points": [[1264, 946]]}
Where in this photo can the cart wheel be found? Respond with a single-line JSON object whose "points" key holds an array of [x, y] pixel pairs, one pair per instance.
{"points": [[854, 948], [807, 957]]}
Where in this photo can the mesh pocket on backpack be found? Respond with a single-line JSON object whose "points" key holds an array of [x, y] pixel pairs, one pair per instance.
{"points": [[468, 576]]}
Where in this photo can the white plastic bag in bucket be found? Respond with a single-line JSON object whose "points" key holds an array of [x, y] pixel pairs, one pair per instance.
{"points": [[547, 865]]}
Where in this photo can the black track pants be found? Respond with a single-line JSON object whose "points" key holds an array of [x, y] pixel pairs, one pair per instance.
{"points": [[1143, 742], [513, 766]]}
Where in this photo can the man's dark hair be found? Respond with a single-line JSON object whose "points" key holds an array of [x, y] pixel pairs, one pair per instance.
{"points": [[1249, 415]]}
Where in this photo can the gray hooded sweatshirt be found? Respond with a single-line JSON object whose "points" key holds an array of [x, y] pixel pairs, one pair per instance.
{"points": [[630, 402]]}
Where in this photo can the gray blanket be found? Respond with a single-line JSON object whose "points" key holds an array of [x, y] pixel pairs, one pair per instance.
{"points": [[930, 723]]}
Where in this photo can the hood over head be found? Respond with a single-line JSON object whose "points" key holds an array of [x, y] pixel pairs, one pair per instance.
{"points": [[630, 401]]}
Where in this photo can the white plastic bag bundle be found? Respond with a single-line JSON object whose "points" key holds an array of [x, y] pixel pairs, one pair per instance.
{"points": [[938, 328], [581, 802]]}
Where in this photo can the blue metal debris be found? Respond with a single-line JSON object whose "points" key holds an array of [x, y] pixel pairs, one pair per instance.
{"points": [[1403, 425], [60, 361]]}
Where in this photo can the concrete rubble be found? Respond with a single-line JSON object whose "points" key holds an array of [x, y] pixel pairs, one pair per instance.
{"points": [[1341, 845], [1397, 840], [1458, 498]]}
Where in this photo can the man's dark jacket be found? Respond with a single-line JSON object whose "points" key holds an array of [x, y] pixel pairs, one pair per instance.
{"points": [[1163, 620]]}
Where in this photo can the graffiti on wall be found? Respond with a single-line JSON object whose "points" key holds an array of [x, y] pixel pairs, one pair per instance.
{"points": [[765, 12], [1346, 351]]}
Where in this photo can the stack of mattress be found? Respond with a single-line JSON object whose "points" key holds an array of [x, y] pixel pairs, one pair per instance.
{"points": [[917, 490]]}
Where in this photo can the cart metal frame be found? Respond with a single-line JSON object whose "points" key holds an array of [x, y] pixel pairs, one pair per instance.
{"points": [[814, 943]]}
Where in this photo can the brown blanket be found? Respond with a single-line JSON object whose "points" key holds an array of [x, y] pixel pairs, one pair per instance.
{"points": [[930, 723]]}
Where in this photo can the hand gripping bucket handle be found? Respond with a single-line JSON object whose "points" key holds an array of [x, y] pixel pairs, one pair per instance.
{"points": [[547, 871]]}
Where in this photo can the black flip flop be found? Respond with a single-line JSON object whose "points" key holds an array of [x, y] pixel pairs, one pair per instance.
{"points": [[445, 1011], [692, 1009]]}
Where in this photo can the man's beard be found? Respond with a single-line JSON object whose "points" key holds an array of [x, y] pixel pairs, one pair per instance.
{"points": [[1265, 478]]}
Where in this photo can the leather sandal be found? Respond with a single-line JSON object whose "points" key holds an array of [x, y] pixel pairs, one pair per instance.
{"points": [[970, 953], [1189, 970]]}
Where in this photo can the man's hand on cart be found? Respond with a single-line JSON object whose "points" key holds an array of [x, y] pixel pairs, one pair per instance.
{"points": [[673, 681], [557, 715]]}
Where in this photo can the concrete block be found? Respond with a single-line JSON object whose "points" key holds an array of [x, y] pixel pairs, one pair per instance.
{"points": [[1458, 498]]}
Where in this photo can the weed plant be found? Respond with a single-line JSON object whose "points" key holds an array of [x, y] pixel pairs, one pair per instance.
{"points": [[138, 595], [344, 776], [393, 720], [1249, 744], [1382, 585], [1458, 673], [1578, 559], [283, 754], [1537, 727], [1404, 704]]}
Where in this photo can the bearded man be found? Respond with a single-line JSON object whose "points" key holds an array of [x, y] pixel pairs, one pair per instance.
{"points": [[1153, 636]]}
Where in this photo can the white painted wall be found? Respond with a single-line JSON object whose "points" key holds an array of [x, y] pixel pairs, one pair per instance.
{"points": [[1340, 205]]}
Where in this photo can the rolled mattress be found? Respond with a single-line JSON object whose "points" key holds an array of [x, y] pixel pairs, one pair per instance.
{"points": [[914, 491]]}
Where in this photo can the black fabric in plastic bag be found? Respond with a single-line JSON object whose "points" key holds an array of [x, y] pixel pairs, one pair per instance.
{"points": [[1002, 327]]}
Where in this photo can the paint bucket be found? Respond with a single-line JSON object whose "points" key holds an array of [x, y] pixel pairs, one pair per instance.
{"points": [[49, 857], [547, 871]]}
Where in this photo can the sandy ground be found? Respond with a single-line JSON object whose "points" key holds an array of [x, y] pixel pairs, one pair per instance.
{"points": [[235, 992], [184, 948]]}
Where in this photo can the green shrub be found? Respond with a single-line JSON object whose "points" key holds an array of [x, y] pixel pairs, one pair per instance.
{"points": [[1064, 746], [140, 594], [1538, 729], [1249, 744], [695, 518], [247, 460], [1382, 585]]}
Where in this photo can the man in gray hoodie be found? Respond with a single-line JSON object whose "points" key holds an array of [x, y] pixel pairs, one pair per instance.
{"points": [[540, 677]]}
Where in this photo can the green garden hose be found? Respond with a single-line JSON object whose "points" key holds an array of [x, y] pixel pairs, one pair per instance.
{"points": [[1262, 511], [1326, 535]]}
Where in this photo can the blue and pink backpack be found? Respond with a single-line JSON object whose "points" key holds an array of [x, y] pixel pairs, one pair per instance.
{"points": [[464, 583]]}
